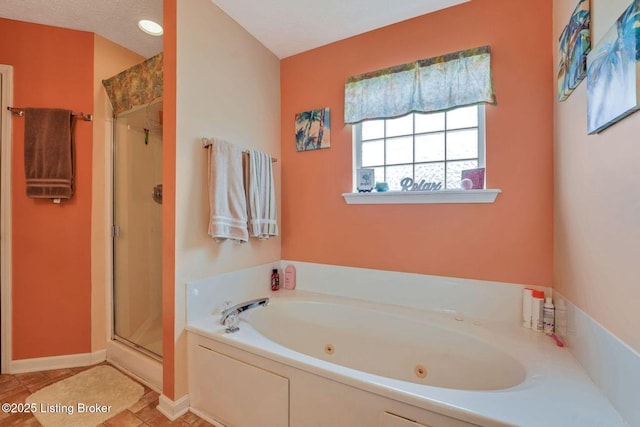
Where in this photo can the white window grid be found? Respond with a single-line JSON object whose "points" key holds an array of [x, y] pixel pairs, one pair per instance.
{"points": [[357, 136]]}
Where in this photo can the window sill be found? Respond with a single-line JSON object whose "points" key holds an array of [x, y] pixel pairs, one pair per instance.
{"points": [[422, 197]]}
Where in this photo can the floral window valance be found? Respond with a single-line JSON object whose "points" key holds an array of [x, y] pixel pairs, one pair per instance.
{"points": [[425, 86], [135, 86]]}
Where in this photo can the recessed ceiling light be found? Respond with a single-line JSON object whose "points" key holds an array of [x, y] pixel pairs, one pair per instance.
{"points": [[150, 27]]}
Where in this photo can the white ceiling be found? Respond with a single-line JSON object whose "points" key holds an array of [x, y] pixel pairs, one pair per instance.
{"points": [[116, 20], [285, 27]]}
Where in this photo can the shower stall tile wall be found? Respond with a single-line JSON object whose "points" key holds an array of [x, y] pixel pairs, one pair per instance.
{"points": [[611, 364]]}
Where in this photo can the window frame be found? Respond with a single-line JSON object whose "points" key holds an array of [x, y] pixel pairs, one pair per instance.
{"points": [[357, 145], [485, 195]]}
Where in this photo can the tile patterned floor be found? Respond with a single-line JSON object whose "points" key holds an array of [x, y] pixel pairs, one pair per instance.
{"points": [[16, 388]]}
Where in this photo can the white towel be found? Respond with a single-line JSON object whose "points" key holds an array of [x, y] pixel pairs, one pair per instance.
{"points": [[261, 196], [227, 200]]}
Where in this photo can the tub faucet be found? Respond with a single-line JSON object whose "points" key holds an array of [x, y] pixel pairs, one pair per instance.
{"points": [[231, 314]]}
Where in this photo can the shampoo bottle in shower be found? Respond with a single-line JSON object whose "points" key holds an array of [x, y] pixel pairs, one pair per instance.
{"points": [[275, 280], [290, 277]]}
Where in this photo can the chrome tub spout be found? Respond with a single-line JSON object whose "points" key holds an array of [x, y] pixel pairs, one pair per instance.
{"points": [[232, 313]]}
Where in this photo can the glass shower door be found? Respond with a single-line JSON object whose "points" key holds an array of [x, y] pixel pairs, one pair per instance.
{"points": [[137, 243]]}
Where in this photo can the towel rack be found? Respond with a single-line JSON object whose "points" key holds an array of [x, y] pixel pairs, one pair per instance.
{"points": [[207, 142], [20, 113]]}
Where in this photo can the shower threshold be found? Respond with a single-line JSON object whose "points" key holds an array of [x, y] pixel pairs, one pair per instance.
{"points": [[139, 348]]}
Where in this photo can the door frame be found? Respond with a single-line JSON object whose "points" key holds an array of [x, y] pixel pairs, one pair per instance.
{"points": [[6, 148]]}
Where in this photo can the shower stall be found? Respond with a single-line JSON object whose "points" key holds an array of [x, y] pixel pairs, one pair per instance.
{"points": [[137, 237], [136, 330]]}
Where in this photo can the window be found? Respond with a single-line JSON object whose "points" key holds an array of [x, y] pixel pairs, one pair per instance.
{"points": [[434, 147]]}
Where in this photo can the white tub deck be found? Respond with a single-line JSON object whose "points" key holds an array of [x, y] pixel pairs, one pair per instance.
{"points": [[555, 392]]}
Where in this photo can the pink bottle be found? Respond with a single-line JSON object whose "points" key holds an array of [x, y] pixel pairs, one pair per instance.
{"points": [[290, 277]]}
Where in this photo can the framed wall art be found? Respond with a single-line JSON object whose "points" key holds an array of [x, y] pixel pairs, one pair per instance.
{"points": [[575, 44], [313, 130], [613, 73]]}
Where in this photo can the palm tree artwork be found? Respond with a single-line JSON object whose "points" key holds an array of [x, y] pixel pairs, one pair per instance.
{"points": [[575, 44], [613, 72], [313, 130]]}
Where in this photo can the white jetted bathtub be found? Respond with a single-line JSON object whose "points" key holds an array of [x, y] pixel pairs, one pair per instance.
{"points": [[387, 344], [310, 359]]}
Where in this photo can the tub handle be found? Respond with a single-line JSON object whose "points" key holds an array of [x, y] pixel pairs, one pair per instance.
{"points": [[232, 323]]}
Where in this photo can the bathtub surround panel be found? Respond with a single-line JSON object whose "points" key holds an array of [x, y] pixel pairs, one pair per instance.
{"points": [[479, 299], [465, 298], [611, 364], [507, 241], [228, 86], [51, 253], [206, 296]]}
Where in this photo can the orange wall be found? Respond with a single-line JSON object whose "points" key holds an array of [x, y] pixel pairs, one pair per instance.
{"points": [[51, 258], [510, 240]]}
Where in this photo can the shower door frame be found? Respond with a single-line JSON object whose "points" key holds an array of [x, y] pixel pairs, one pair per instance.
{"points": [[144, 368], [114, 235]]}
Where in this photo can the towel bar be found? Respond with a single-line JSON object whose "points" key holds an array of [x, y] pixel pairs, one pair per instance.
{"points": [[20, 113], [207, 142]]}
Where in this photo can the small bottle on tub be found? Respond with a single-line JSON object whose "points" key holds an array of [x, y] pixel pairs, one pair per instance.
{"points": [[275, 280], [537, 307], [548, 316], [527, 301], [290, 277]]}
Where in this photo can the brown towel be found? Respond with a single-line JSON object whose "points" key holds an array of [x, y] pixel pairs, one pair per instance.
{"points": [[48, 153]]}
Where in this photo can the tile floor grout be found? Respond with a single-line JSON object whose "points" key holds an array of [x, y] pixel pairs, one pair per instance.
{"points": [[17, 387]]}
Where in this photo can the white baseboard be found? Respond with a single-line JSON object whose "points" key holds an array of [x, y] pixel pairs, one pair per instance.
{"points": [[171, 409], [56, 362]]}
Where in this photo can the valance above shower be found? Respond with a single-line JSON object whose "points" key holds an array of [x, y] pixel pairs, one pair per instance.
{"points": [[135, 86]]}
